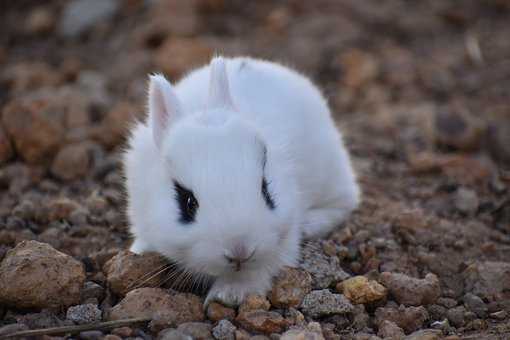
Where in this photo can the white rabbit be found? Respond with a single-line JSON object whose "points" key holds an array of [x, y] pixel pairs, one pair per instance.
{"points": [[235, 164]]}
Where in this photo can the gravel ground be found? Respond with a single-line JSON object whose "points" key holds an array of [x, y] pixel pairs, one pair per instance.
{"points": [[420, 90]]}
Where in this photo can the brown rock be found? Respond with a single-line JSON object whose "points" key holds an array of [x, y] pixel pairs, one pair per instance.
{"points": [[487, 279], [407, 318], [164, 309], [123, 332], [35, 129], [261, 321], [217, 312], [178, 18], [359, 290], [425, 334], [457, 128], [278, 20], [40, 21], [460, 168], [290, 287], [61, 208], [358, 68], [6, 151], [23, 267], [114, 127], [411, 291], [72, 161], [253, 302], [388, 329], [178, 55], [127, 271]]}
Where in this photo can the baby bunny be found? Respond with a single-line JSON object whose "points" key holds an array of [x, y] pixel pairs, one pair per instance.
{"points": [[235, 165]]}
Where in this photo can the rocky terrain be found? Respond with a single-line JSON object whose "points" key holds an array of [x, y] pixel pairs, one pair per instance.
{"points": [[420, 89]]}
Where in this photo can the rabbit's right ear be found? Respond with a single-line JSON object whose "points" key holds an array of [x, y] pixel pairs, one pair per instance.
{"points": [[164, 106]]}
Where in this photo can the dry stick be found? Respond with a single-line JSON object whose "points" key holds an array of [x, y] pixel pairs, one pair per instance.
{"points": [[75, 329]]}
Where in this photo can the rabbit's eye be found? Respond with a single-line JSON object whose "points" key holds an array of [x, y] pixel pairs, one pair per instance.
{"points": [[188, 204], [267, 195]]}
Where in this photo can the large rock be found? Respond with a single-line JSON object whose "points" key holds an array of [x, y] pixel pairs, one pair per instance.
{"points": [[157, 304], [487, 279], [127, 271], [290, 287], [320, 303], [35, 275], [359, 290], [411, 291], [35, 128]]}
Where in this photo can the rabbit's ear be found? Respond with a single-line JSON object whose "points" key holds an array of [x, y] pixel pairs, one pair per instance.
{"points": [[219, 91], [164, 106]]}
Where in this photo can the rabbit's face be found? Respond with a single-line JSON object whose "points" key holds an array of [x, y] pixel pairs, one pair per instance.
{"points": [[218, 200], [224, 208]]}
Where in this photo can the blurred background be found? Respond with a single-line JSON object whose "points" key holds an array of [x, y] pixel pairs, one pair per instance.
{"points": [[426, 74], [420, 89]]}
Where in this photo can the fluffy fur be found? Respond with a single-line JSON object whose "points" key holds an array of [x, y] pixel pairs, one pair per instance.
{"points": [[219, 132]]}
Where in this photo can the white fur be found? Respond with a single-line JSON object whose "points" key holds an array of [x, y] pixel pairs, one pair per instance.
{"points": [[217, 122]]}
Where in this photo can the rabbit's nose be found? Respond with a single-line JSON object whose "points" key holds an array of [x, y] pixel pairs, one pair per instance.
{"points": [[238, 256]]}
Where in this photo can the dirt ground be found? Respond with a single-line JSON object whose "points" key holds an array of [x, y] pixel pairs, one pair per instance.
{"points": [[420, 90]]}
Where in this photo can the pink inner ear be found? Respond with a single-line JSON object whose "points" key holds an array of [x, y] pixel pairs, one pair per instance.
{"points": [[163, 107]]}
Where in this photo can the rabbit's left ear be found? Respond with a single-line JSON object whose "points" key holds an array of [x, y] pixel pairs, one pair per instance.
{"points": [[219, 90], [164, 106]]}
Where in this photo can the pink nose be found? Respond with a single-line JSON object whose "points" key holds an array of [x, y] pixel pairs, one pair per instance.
{"points": [[238, 255]]}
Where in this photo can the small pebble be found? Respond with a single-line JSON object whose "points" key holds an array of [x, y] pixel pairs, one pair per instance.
{"points": [[84, 314], [224, 330]]}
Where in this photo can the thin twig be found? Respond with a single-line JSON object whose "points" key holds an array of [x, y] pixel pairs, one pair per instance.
{"points": [[75, 329]]}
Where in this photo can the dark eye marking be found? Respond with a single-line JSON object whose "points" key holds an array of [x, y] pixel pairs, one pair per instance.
{"points": [[188, 204], [267, 195], [265, 191]]}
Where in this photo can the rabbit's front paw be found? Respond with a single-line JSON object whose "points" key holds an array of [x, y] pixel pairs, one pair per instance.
{"points": [[232, 292], [227, 294]]}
